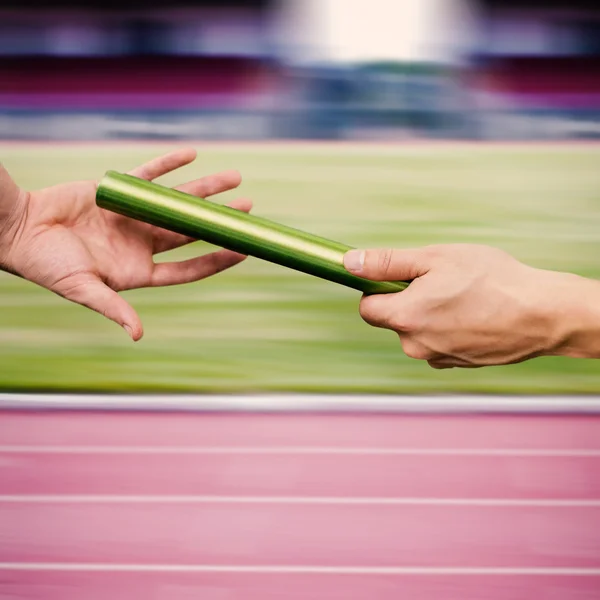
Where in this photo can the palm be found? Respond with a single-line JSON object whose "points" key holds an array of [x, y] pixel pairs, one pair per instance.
{"points": [[90, 241], [86, 254]]}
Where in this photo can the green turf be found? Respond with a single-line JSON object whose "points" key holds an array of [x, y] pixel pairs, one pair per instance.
{"points": [[261, 327]]}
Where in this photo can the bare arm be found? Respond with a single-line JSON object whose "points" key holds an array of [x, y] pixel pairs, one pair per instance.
{"points": [[578, 310]]}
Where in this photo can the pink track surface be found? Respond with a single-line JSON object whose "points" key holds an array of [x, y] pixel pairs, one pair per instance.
{"points": [[259, 507]]}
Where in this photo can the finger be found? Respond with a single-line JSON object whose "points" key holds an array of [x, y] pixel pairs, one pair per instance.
{"points": [[243, 204], [378, 310], [165, 240], [194, 269], [416, 350], [212, 184], [399, 312], [449, 362], [440, 364], [387, 264], [203, 188], [164, 164], [94, 294]]}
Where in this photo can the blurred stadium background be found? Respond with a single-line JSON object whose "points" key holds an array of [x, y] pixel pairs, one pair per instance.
{"points": [[377, 123]]}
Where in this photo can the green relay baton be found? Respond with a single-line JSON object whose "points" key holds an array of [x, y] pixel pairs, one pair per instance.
{"points": [[233, 229]]}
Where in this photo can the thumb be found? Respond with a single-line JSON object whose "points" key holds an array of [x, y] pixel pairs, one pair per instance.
{"points": [[387, 264], [94, 294]]}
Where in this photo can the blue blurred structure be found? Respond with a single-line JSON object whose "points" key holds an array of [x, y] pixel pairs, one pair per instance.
{"points": [[215, 70], [534, 69]]}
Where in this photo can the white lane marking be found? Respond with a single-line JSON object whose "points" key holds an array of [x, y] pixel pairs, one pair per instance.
{"points": [[311, 402], [302, 500], [300, 450], [301, 569]]}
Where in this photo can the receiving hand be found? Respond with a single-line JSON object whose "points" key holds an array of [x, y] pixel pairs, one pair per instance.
{"points": [[60, 239]]}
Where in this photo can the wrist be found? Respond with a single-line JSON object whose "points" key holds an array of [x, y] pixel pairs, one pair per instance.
{"points": [[574, 304], [13, 207]]}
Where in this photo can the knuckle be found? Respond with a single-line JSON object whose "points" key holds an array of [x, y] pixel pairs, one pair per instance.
{"points": [[384, 260], [438, 365], [384, 312], [367, 311], [401, 322], [375, 311], [405, 320], [434, 251], [72, 286], [416, 351]]}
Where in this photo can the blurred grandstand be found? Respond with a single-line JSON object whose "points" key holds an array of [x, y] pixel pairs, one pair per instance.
{"points": [[535, 69], [221, 70]]}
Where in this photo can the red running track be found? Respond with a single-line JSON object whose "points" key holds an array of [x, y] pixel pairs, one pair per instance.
{"points": [[258, 507]]}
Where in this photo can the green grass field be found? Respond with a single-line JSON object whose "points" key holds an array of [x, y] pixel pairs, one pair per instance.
{"points": [[260, 327]]}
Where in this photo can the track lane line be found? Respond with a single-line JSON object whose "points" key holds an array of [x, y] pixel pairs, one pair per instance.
{"points": [[306, 500], [300, 569], [286, 403], [299, 450]]}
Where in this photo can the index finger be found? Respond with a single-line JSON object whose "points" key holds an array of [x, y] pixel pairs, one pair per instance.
{"points": [[388, 311]]}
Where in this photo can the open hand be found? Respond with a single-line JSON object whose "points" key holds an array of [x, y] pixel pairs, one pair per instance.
{"points": [[60, 239]]}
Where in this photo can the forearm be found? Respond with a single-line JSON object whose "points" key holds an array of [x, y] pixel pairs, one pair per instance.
{"points": [[577, 314]]}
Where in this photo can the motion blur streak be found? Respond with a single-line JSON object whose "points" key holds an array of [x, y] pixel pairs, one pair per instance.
{"points": [[256, 69]]}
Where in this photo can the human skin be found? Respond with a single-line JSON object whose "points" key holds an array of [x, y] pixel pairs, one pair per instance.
{"points": [[60, 239], [473, 306]]}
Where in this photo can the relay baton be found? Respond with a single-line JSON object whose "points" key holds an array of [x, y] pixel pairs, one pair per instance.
{"points": [[233, 229]]}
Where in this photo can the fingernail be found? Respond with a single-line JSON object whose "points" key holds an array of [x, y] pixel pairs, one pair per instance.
{"points": [[128, 330], [354, 260]]}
